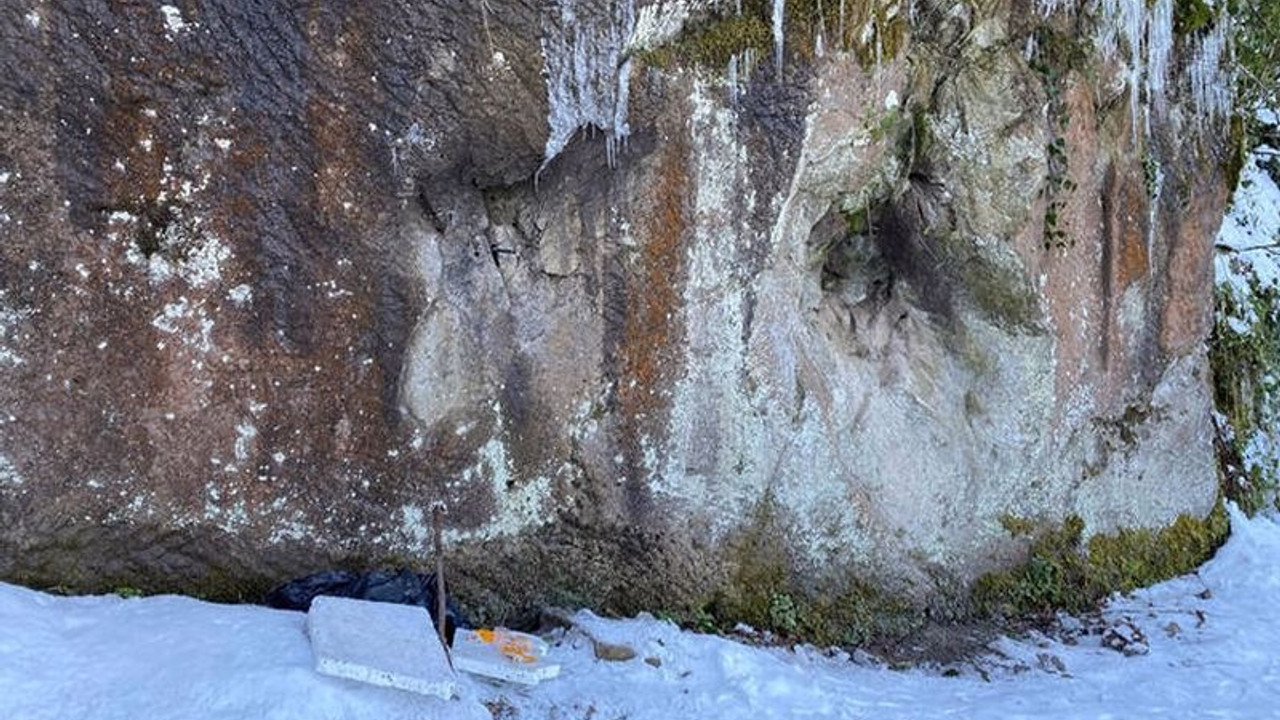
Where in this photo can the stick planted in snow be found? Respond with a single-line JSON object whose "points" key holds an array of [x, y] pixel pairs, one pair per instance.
{"points": [[437, 517]]}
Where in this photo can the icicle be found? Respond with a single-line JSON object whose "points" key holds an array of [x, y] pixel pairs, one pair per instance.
{"points": [[879, 49], [1030, 50], [779, 12], [1133, 17], [1159, 48], [1108, 11], [588, 78], [1146, 32], [732, 75], [840, 28], [1211, 82], [818, 49], [1049, 7]]}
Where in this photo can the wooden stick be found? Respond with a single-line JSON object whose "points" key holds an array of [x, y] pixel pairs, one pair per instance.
{"points": [[437, 515]]}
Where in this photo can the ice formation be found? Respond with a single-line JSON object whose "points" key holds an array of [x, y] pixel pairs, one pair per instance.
{"points": [[1211, 84], [741, 67], [779, 14], [1140, 34], [1159, 48], [588, 74]]}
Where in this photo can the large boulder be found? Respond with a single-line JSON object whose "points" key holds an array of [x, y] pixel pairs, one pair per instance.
{"points": [[653, 319]]}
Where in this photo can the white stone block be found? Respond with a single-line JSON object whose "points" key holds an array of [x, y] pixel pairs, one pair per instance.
{"points": [[384, 644]]}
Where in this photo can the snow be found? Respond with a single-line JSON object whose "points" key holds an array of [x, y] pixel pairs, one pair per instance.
{"points": [[1253, 219], [1212, 639], [173, 21], [1250, 231]]}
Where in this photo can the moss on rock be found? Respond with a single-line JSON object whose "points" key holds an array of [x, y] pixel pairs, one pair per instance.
{"points": [[872, 30], [764, 592], [713, 43], [1062, 572], [1244, 349]]}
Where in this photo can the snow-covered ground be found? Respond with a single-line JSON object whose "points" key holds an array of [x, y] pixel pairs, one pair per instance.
{"points": [[1214, 640]]}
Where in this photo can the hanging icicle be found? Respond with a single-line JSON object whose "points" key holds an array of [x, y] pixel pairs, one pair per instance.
{"points": [[779, 14], [1209, 70], [588, 77]]}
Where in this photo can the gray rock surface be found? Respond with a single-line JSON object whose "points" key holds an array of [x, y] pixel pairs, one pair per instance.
{"points": [[274, 280]]}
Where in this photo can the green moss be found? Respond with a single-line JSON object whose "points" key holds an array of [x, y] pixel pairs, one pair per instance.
{"points": [[1017, 526], [1237, 151], [760, 571], [1131, 559], [856, 615], [888, 124], [714, 41], [216, 586], [764, 592], [1191, 16], [1063, 573], [712, 44]]}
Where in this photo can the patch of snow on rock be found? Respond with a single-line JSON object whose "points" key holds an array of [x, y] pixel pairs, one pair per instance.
{"points": [[173, 21]]}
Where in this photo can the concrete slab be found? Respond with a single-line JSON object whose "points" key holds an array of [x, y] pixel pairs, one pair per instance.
{"points": [[383, 644], [503, 655]]}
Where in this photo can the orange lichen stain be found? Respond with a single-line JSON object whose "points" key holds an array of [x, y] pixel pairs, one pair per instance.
{"points": [[651, 328], [1132, 262]]}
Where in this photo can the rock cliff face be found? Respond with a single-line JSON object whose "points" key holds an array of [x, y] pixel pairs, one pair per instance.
{"points": [[648, 311]]}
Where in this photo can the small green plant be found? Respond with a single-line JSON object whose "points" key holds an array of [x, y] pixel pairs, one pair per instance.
{"points": [[783, 614], [1056, 56], [1151, 173], [1057, 184], [1191, 16], [704, 621]]}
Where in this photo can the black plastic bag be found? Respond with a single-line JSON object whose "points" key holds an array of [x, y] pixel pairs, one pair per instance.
{"points": [[402, 588]]}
